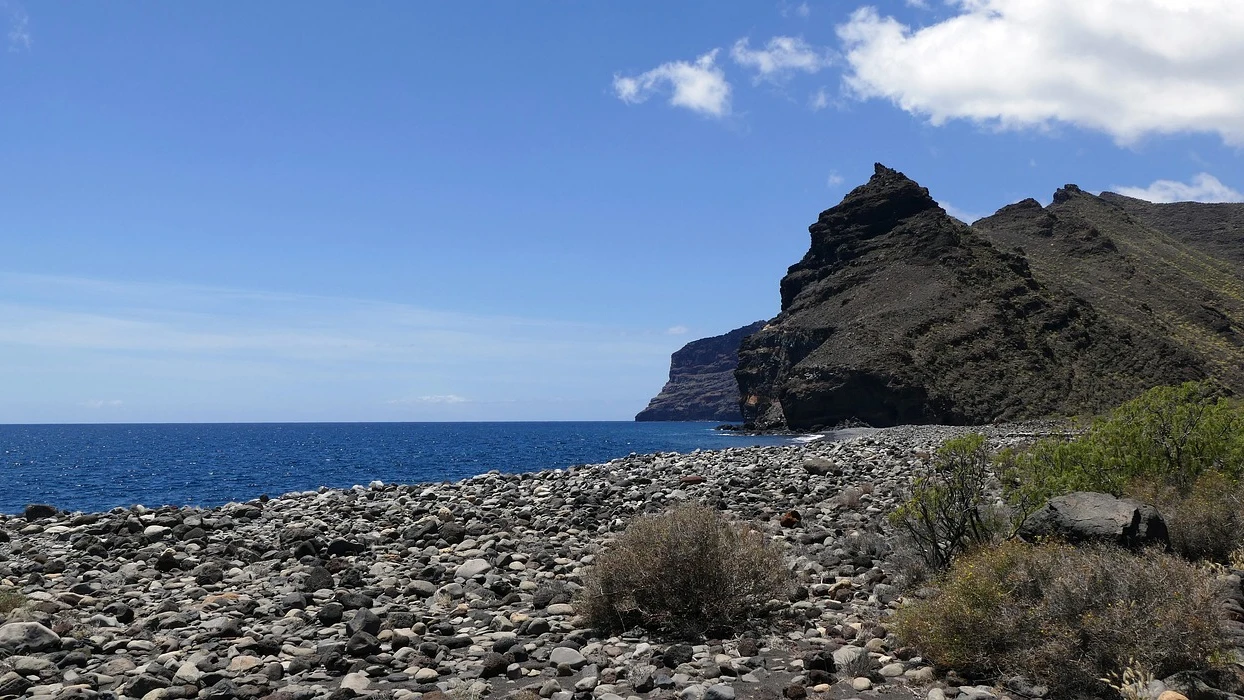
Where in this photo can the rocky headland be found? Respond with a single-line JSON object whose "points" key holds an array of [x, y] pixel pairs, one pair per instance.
{"points": [[701, 384], [901, 314], [462, 589]]}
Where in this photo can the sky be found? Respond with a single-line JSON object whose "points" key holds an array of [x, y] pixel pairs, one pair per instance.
{"points": [[400, 211]]}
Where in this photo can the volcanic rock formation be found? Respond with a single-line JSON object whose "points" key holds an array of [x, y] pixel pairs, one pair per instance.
{"points": [[701, 384], [899, 313]]}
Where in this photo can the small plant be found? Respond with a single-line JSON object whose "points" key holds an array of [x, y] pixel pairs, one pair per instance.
{"points": [[949, 512], [11, 600], [850, 497], [1067, 617], [1132, 683], [683, 570], [859, 665]]}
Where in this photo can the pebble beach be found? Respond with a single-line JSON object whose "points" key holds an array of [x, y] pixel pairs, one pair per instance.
{"points": [[464, 590]]}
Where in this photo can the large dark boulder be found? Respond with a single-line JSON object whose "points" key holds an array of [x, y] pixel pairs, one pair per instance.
{"points": [[900, 313], [701, 384], [1085, 516]]}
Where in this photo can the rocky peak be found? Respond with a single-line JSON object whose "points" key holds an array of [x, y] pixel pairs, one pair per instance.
{"points": [[1068, 192], [889, 211]]}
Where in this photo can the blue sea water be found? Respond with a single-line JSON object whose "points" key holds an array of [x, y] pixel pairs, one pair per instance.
{"points": [[98, 467]]}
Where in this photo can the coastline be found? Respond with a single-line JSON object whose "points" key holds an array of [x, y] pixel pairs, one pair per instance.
{"points": [[464, 583]]}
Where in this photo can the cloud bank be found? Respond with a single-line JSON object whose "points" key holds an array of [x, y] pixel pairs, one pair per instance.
{"points": [[1129, 68]]}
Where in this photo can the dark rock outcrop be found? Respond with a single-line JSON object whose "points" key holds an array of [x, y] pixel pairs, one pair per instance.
{"points": [[1085, 516], [899, 313], [701, 384]]}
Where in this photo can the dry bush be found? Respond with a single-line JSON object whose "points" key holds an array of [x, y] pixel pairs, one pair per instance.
{"points": [[1206, 524], [11, 600], [850, 497], [1068, 617], [683, 571]]}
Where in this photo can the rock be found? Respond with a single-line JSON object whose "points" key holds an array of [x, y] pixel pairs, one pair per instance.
{"points": [[27, 637], [357, 682], [330, 613], [1097, 517], [244, 663], [701, 382], [849, 655], [39, 511], [144, 684], [720, 691], [892, 670], [426, 675], [861, 683], [1171, 695], [362, 644], [493, 664], [364, 620], [677, 654], [318, 578], [12, 684], [472, 568], [791, 518], [567, 656]]}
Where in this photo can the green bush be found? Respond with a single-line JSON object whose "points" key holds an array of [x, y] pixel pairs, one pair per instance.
{"points": [[1066, 617], [683, 571], [1169, 435], [949, 511]]}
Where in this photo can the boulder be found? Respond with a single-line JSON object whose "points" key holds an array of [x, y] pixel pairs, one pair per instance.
{"points": [[1085, 516], [27, 637], [38, 511]]}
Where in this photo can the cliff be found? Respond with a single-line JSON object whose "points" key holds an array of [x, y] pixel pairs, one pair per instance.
{"points": [[899, 313], [701, 384]]}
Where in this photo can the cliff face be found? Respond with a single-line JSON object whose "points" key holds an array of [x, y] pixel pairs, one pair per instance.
{"points": [[899, 313], [701, 384]]}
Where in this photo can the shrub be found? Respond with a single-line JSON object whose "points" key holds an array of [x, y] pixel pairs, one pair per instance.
{"points": [[1169, 435], [683, 571], [11, 600], [948, 511], [1067, 617], [1207, 523]]}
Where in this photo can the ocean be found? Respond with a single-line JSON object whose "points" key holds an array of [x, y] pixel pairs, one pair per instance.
{"points": [[99, 467]]}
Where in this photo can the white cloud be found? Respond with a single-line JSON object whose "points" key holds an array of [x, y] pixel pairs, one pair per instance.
{"points": [[1203, 188], [780, 58], [919, 4], [834, 179], [700, 86], [819, 100], [676, 330], [19, 25], [101, 403], [1128, 68], [800, 10]]}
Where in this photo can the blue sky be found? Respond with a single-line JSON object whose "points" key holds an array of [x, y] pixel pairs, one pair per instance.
{"points": [[504, 211]]}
